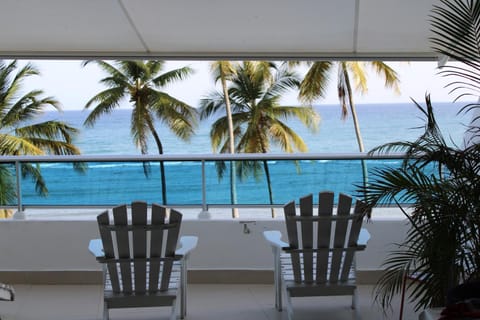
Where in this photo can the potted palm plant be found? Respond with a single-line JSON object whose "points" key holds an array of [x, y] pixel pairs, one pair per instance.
{"points": [[437, 187], [440, 182]]}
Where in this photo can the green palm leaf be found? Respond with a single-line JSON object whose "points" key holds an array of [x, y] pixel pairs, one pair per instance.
{"points": [[441, 246], [315, 82], [456, 35], [7, 185], [20, 133]]}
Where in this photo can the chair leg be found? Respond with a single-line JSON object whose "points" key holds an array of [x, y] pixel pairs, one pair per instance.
{"points": [[277, 279], [105, 311], [183, 289], [105, 306], [357, 315], [355, 299], [289, 307], [288, 300], [173, 314], [356, 312]]}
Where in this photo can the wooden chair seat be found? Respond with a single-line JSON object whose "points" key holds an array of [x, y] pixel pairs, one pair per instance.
{"points": [[173, 284], [288, 274], [314, 290]]}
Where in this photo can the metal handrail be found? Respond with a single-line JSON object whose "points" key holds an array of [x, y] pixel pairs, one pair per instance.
{"points": [[204, 157], [18, 160]]}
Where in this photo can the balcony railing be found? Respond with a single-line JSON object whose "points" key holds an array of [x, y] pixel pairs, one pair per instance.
{"points": [[191, 180]]}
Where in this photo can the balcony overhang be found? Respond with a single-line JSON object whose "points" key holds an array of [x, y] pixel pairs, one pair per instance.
{"points": [[212, 29]]}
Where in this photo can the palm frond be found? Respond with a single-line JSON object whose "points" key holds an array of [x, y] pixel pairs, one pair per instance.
{"points": [[344, 90], [12, 145], [26, 71], [284, 81], [356, 69], [391, 77], [54, 137], [220, 69], [134, 69], [7, 184], [218, 135], [454, 25], [213, 103], [108, 68], [287, 138], [22, 135], [307, 115], [34, 172], [315, 82], [10, 83], [180, 117], [173, 76], [155, 66], [439, 181], [27, 108], [106, 101], [140, 124]]}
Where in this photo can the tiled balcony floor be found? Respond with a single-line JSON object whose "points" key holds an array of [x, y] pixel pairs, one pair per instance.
{"points": [[205, 301]]}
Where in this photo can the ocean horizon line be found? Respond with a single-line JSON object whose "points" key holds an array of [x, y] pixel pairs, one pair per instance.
{"points": [[420, 101], [379, 124]]}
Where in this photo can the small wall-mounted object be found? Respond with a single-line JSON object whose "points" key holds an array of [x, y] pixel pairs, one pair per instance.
{"points": [[246, 229]]}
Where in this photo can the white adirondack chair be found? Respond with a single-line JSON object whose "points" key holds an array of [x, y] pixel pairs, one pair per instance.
{"points": [[141, 263], [319, 258]]}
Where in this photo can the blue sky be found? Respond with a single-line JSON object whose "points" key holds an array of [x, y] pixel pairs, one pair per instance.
{"points": [[73, 84]]}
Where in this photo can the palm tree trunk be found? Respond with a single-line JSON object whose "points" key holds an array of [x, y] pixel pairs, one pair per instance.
{"points": [[233, 189], [358, 134], [164, 183], [269, 184], [353, 112], [162, 164]]}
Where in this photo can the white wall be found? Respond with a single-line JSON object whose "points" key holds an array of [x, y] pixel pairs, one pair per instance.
{"points": [[56, 245]]}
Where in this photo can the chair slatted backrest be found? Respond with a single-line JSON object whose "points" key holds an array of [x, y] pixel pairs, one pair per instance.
{"points": [[320, 258], [130, 259], [323, 235]]}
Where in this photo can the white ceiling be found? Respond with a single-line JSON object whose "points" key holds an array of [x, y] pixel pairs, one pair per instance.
{"points": [[202, 29]]}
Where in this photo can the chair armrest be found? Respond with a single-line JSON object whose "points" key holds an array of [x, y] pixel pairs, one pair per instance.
{"points": [[274, 238], [363, 237], [96, 248], [187, 244]]}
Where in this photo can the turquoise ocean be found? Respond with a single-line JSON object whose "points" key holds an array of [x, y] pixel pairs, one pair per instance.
{"points": [[379, 123], [113, 183]]}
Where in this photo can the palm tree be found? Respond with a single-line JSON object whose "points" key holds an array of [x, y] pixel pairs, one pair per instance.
{"points": [[223, 71], [443, 242], [141, 82], [21, 135], [315, 84], [258, 118], [441, 185]]}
